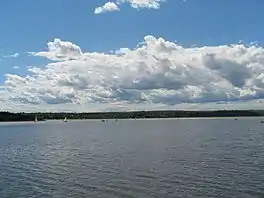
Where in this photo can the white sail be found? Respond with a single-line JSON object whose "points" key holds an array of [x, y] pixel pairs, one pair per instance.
{"points": [[65, 119], [36, 119]]}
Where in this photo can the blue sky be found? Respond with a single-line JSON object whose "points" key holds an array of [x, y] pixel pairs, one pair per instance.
{"points": [[27, 26]]}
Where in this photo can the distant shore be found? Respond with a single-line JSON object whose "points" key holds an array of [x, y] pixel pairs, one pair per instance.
{"points": [[30, 117]]}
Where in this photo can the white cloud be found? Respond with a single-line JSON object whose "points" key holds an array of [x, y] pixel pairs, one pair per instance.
{"points": [[156, 74], [122, 51], [15, 55], [16, 67], [107, 7], [58, 50], [139, 4]]}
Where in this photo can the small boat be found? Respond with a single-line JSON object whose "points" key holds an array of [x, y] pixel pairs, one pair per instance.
{"points": [[65, 119], [262, 121], [36, 118]]}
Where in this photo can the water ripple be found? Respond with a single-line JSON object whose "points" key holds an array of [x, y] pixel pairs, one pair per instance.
{"points": [[164, 158]]}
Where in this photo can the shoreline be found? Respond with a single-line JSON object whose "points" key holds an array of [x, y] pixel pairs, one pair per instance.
{"points": [[139, 119], [150, 115]]}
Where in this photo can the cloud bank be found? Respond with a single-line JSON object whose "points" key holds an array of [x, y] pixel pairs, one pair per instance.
{"points": [[155, 74]]}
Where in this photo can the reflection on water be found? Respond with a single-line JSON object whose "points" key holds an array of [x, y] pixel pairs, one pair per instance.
{"points": [[133, 158]]}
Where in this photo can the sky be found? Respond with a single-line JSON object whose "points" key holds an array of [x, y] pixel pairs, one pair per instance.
{"points": [[122, 55]]}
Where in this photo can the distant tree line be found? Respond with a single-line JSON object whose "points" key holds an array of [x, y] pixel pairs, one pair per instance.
{"points": [[13, 117], [8, 116]]}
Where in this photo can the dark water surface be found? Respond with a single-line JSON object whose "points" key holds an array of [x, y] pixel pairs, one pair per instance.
{"points": [[136, 158]]}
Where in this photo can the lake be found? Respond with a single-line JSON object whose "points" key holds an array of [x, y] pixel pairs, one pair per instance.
{"points": [[133, 158]]}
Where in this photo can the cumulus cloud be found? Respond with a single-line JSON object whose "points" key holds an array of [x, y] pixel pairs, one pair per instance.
{"points": [[157, 73], [107, 7], [139, 4], [58, 50]]}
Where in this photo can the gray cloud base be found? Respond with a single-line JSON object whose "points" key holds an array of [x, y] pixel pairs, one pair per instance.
{"points": [[157, 72]]}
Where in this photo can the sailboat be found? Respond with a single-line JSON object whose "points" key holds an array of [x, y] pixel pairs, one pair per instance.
{"points": [[36, 119], [65, 119]]}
